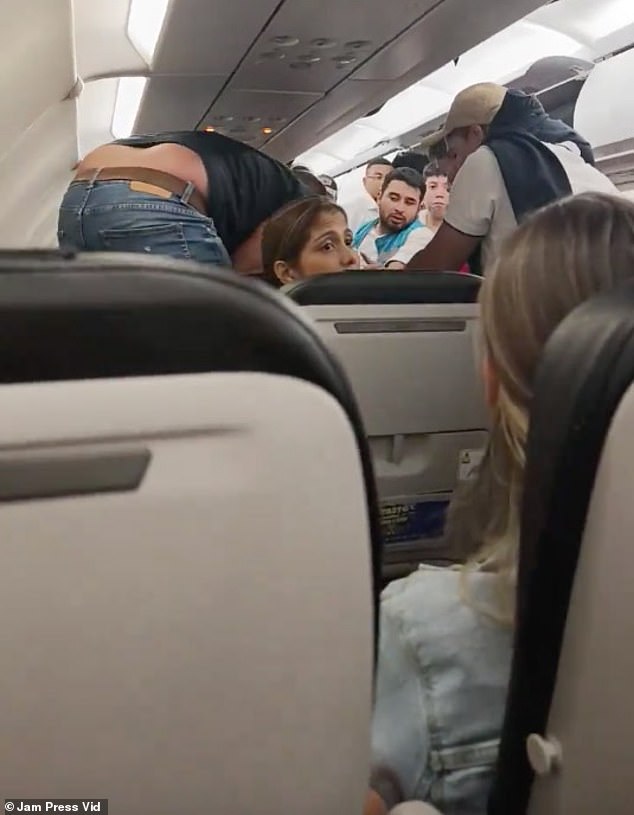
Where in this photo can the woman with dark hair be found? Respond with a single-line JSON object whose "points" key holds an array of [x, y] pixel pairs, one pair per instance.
{"points": [[306, 238]]}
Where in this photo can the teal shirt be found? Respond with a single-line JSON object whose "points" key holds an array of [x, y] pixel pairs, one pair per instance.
{"points": [[388, 244]]}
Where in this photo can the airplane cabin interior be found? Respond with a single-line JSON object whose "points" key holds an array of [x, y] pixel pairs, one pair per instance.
{"points": [[301, 448]]}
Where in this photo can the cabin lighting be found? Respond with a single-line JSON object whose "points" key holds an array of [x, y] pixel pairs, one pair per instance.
{"points": [[145, 23], [128, 100]]}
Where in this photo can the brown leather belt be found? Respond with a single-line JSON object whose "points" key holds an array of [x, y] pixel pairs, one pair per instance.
{"points": [[152, 182]]}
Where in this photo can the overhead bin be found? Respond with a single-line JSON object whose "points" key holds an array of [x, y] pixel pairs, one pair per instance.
{"points": [[606, 92]]}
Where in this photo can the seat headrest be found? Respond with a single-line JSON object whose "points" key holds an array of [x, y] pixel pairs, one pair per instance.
{"points": [[113, 315], [384, 287], [586, 367]]}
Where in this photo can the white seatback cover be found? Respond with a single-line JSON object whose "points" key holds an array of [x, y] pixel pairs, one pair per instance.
{"points": [[592, 712], [198, 640], [414, 372]]}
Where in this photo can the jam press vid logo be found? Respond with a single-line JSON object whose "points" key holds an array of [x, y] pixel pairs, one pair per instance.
{"points": [[56, 805]]}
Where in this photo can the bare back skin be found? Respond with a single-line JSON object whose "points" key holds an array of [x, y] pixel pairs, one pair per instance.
{"points": [[183, 163], [174, 159]]}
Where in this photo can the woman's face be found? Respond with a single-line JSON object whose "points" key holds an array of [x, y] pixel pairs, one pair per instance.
{"points": [[327, 250]]}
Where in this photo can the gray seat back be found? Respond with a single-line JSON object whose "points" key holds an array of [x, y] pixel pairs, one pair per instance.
{"points": [[569, 719], [409, 344], [185, 572]]}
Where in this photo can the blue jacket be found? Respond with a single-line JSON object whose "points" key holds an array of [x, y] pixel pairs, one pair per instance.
{"points": [[442, 682], [386, 245]]}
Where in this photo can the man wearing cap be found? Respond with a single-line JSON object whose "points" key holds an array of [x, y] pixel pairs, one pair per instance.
{"points": [[505, 158]]}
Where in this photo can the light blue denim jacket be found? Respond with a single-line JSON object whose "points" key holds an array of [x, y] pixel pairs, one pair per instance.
{"points": [[443, 674]]}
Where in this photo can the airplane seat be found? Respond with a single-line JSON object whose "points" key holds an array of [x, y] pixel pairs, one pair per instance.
{"points": [[189, 543], [569, 726], [383, 287], [408, 342]]}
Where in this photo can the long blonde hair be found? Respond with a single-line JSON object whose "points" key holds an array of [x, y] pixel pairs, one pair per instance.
{"points": [[558, 257]]}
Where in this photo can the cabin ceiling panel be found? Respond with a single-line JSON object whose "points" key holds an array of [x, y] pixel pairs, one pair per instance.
{"points": [[176, 102], [428, 44], [244, 114], [313, 48], [36, 63], [437, 35], [209, 36], [102, 43], [348, 101]]}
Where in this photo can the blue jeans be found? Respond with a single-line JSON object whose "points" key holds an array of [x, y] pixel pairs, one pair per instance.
{"points": [[107, 216]]}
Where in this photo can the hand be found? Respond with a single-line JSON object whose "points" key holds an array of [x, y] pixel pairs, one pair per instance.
{"points": [[374, 804], [364, 263]]}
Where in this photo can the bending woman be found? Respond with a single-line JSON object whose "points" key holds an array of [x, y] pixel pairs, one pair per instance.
{"points": [[191, 195]]}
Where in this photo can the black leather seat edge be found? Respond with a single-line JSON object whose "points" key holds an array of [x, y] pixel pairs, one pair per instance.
{"points": [[67, 317], [587, 366], [378, 287]]}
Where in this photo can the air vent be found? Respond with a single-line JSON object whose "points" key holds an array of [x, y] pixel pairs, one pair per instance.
{"points": [[285, 46]]}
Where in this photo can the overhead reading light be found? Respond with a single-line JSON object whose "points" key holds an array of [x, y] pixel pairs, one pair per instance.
{"points": [[145, 23], [267, 130], [210, 129], [357, 45], [323, 42], [126, 106], [285, 41]]}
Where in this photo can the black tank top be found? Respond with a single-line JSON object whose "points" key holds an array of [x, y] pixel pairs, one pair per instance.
{"points": [[245, 186]]}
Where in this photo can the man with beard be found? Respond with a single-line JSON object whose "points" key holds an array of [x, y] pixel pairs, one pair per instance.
{"points": [[397, 234]]}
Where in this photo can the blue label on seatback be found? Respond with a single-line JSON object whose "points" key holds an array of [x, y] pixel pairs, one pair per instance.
{"points": [[409, 522]]}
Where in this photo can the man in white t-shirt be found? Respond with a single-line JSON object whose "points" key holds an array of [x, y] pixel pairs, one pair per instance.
{"points": [[397, 234], [507, 158], [365, 208]]}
